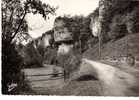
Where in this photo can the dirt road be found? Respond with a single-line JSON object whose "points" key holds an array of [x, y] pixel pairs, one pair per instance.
{"points": [[110, 80], [114, 81]]}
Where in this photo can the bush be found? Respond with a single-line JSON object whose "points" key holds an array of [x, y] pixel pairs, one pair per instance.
{"points": [[70, 62], [130, 60]]}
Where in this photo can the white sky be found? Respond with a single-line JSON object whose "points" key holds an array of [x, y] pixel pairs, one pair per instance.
{"points": [[37, 25]]}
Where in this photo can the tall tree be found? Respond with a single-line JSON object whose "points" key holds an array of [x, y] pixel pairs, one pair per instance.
{"points": [[13, 23]]}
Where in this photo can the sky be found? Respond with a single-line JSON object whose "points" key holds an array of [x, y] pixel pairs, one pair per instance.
{"points": [[37, 25]]}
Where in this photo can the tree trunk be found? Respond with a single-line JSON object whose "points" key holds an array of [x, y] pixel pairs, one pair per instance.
{"points": [[19, 26], [99, 47]]}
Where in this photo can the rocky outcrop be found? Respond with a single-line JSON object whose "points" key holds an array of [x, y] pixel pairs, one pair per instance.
{"points": [[98, 20], [45, 40], [61, 32], [95, 23], [64, 49], [63, 36]]}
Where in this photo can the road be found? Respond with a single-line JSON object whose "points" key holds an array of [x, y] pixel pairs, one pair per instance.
{"points": [[114, 81]]}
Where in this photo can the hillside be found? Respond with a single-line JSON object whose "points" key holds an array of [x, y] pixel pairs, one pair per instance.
{"points": [[121, 47]]}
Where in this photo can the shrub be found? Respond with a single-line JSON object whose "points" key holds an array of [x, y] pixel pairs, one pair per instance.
{"points": [[70, 62], [130, 60]]}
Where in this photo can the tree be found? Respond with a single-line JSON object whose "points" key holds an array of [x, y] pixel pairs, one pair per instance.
{"points": [[132, 20], [13, 23], [13, 14], [117, 27]]}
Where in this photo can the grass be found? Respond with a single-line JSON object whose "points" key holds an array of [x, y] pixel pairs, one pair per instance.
{"points": [[126, 45], [85, 86]]}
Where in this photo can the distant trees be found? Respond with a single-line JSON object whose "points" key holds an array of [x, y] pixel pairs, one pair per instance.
{"points": [[125, 22], [13, 23]]}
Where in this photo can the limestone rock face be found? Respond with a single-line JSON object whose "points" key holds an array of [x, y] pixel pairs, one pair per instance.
{"points": [[64, 49], [61, 32], [43, 41], [103, 15], [97, 18], [95, 26], [46, 40]]}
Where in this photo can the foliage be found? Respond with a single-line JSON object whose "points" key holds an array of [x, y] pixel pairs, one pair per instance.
{"points": [[92, 41], [13, 14], [50, 56], [13, 23], [36, 53], [132, 20], [117, 27], [70, 62], [108, 11], [124, 22], [36, 6], [31, 55]]}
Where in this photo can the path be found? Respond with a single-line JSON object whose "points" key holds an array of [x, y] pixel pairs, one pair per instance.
{"points": [[113, 80]]}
